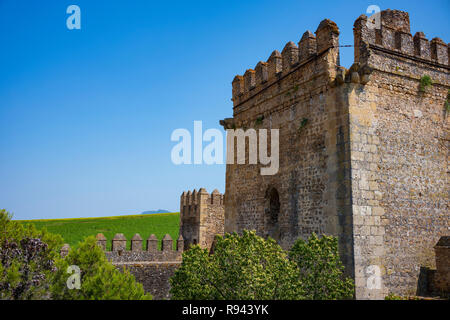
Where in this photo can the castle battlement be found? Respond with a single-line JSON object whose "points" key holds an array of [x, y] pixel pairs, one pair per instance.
{"points": [[201, 217], [363, 151], [393, 49], [151, 253], [195, 198], [279, 65], [395, 35]]}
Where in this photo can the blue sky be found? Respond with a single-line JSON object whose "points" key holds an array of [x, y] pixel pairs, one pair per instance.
{"points": [[86, 115]]}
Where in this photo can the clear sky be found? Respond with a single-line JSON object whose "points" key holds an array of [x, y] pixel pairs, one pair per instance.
{"points": [[86, 115]]}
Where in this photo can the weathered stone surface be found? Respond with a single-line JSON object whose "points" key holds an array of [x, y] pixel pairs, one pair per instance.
{"points": [[371, 164], [363, 156], [442, 276], [201, 217], [152, 267]]}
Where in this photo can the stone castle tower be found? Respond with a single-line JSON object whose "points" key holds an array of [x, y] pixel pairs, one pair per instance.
{"points": [[201, 217], [363, 152], [363, 156]]}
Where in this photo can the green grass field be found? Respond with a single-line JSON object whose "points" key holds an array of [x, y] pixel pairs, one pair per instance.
{"points": [[75, 230]]}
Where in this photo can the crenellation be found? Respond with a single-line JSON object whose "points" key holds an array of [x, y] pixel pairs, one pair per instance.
{"points": [[395, 20], [363, 37], [249, 80], [194, 200], [152, 243], [119, 242], [371, 131], [358, 168], [262, 72], [238, 87], [101, 241], [405, 43], [422, 48], [395, 27], [189, 198], [216, 197], [205, 221], [388, 38], [290, 56], [64, 250], [275, 64], [119, 246], [183, 199], [394, 35], [136, 242], [327, 36], [167, 243], [180, 243], [439, 51], [293, 57], [151, 267], [307, 46]]}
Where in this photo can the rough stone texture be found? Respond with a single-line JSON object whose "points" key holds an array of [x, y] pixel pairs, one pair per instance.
{"points": [[64, 250], [154, 276], [201, 217], [151, 267], [363, 156], [442, 274], [312, 186], [363, 153]]}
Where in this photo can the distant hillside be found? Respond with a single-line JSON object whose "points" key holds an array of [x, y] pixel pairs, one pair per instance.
{"points": [[75, 230], [156, 211]]}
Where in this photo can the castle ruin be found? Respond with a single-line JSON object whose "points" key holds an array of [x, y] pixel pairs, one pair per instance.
{"points": [[363, 151], [363, 156]]}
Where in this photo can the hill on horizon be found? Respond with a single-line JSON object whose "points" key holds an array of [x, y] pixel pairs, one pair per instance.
{"points": [[156, 211]]}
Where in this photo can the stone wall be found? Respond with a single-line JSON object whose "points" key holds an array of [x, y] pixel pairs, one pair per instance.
{"points": [[441, 283], [399, 154], [363, 152], [154, 276], [293, 92], [149, 265], [201, 217]]}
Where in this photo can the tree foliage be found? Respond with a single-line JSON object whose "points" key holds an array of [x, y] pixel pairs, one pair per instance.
{"points": [[321, 270], [250, 267], [26, 259], [99, 279], [241, 267]]}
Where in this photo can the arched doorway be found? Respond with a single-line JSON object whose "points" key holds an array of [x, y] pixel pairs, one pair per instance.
{"points": [[272, 213]]}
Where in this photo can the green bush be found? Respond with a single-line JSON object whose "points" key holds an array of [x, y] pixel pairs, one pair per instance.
{"points": [[99, 279], [321, 270], [425, 82], [392, 296], [241, 267], [27, 260]]}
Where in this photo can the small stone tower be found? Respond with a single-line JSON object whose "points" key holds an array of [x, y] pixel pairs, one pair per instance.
{"points": [[201, 217]]}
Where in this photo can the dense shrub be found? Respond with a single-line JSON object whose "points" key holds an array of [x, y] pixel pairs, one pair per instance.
{"points": [[250, 267], [321, 270], [26, 259], [32, 268], [241, 267], [99, 279]]}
